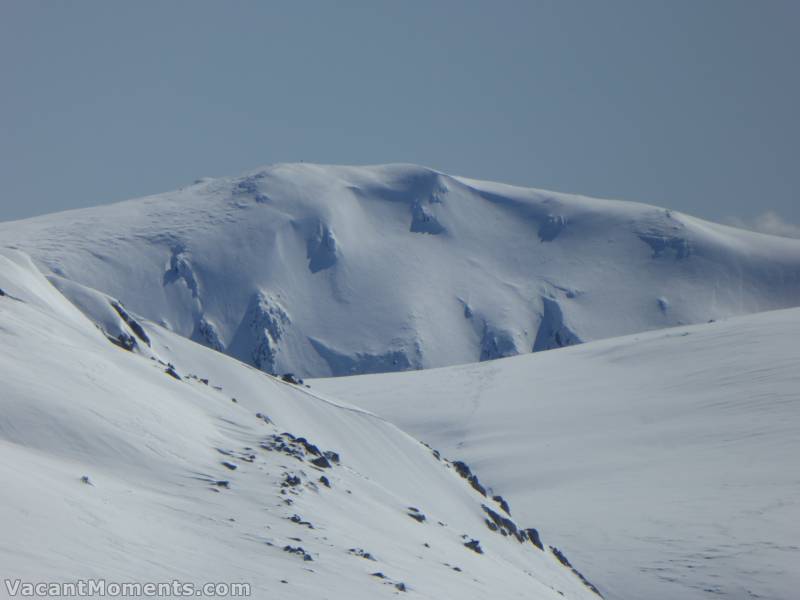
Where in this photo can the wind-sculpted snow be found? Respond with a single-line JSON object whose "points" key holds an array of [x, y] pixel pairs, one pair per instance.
{"points": [[553, 333], [168, 461], [322, 249], [259, 336], [666, 461], [377, 267]]}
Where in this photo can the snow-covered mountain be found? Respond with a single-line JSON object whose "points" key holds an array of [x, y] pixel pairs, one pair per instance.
{"points": [[322, 270], [666, 461], [154, 459], [662, 463]]}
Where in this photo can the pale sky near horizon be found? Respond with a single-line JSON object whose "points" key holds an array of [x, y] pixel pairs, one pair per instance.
{"points": [[688, 104]]}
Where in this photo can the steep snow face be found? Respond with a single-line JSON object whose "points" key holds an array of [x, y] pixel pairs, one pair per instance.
{"points": [[322, 270], [165, 461], [668, 460]]}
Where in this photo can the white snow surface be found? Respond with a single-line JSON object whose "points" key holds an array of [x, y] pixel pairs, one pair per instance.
{"points": [[328, 270], [667, 462], [152, 447]]}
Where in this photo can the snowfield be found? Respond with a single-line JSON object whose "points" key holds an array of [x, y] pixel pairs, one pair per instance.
{"points": [[144, 441], [667, 462], [325, 270], [131, 454]]}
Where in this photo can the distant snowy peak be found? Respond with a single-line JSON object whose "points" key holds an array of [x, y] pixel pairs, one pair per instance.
{"points": [[327, 270]]}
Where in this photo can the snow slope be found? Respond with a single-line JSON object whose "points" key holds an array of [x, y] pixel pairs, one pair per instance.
{"points": [[195, 470], [667, 461], [323, 270]]}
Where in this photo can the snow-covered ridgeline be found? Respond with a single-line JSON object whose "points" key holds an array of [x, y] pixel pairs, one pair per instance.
{"points": [[324, 270]]}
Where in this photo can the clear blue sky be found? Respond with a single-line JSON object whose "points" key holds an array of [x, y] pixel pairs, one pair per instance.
{"points": [[688, 104]]}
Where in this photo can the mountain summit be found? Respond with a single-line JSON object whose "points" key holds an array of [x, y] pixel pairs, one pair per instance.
{"points": [[331, 270]]}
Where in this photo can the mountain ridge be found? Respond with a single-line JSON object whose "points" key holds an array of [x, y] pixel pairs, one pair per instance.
{"points": [[332, 270], [159, 460]]}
